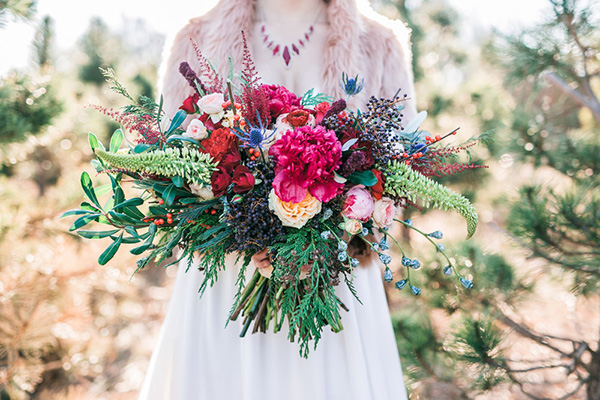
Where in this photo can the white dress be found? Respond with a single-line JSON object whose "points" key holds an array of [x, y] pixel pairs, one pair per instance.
{"points": [[197, 358]]}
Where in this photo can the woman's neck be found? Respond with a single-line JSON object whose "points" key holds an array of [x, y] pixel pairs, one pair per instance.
{"points": [[300, 11]]}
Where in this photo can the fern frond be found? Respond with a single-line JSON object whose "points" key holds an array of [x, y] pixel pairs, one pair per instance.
{"points": [[401, 180], [191, 165]]}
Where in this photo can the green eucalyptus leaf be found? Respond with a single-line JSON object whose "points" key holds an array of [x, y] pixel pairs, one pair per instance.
{"points": [[125, 219], [177, 121], [110, 251], [103, 189], [82, 221], [142, 147], [136, 201], [116, 140], [94, 142], [177, 181], [77, 212], [366, 178], [140, 249], [96, 234], [169, 195], [88, 188]]}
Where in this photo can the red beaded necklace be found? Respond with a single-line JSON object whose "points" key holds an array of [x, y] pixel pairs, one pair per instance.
{"points": [[290, 50], [286, 51]]}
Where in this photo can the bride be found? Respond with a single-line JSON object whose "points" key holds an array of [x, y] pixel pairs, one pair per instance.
{"points": [[300, 44]]}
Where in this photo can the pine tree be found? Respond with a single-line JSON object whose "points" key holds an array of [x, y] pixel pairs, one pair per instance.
{"points": [[17, 9]]}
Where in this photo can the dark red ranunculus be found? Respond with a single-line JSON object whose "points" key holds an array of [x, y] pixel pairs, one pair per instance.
{"points": [[220, 143], [377, 189], [243, 180], [220, 181], [297, 118], [189, 104], [230, 159]]}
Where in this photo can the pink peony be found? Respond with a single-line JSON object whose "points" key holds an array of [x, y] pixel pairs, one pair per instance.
{"points": [[281, 100], [358, 204], [384, 212], [306, 159]]}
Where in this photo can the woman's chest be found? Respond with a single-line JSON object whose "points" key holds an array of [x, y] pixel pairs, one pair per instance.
{"points": [[290, 59]]}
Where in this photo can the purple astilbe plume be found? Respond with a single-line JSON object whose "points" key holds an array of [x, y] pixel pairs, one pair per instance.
{"points": [[354, 163], [256, 105], [188, 73], [336, 108], [214, 83]]}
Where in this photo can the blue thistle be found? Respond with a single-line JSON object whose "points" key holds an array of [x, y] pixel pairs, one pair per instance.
{"points": [[351, 86], [257, 135], [466, 283], [400, 284], [436, 235], [387, 275], [416, 291]]}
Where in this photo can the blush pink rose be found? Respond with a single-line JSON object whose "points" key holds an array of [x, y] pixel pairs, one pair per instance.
{"points": [[196, 130], [211, 103], [359, 204], [384, 212]]}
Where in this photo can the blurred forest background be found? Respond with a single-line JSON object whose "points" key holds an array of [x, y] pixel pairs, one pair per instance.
{"points": [[530, 329]]}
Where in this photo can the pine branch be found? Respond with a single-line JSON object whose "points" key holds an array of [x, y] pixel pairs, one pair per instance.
{"points": [[591, 103]]}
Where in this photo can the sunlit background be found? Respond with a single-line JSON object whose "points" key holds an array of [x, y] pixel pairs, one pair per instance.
{"points": [[71, 329]]}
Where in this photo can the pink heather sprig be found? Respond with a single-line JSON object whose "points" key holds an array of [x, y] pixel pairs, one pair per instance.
{"points": [[214, 83], [254, 98], [145, 125]]}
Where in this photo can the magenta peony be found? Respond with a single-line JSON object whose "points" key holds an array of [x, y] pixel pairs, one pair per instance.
{"points": [[359, 204], [306, 159], [281, 100]]}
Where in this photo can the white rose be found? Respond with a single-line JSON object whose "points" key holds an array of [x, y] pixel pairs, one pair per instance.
{"points": [[205, 193], [196, 130], [384, 212], [353, 226], [211, 103]]}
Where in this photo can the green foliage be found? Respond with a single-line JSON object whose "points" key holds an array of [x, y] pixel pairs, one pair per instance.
{"points": [[101, 49], [18, 9], [401, 181], [42, 44], [312, 98], [26, 107]]}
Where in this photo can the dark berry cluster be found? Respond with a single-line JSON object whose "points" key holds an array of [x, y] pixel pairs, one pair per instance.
{"points": [[255, 226], [380, 122]]}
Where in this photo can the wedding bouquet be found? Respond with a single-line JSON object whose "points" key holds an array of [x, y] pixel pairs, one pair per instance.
{"points": [[256, 168]]}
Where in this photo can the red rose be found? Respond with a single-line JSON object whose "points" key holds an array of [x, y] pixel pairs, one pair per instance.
{"points": [[220, 181], [243, 180], [321, 109], [220, 143], [377, 189], [297, 118], [189, 104]]}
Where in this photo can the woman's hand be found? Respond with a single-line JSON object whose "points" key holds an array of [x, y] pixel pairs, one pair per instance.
{"points": [[261, 259]]}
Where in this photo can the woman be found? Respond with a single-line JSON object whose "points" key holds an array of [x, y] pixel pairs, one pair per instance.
{"points": [[196, 357]]}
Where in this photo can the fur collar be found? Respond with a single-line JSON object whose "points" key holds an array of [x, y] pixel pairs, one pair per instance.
{"points": [[222, 26]]}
